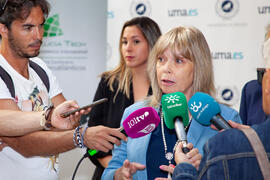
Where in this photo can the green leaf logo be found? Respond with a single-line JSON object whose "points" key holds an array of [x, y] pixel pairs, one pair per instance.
{"points": [[52, 27]]}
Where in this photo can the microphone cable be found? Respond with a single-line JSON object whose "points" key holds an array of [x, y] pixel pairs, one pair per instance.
{"points": [[78, 164]]}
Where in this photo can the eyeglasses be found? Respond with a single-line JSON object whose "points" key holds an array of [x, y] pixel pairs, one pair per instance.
{"points": [[3, 7]]}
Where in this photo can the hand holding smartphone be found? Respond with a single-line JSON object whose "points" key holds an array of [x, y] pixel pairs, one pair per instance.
{"points": [[64, 115]]}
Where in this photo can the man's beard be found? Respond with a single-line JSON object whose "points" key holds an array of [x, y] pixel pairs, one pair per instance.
{"points": [[18, 51]]}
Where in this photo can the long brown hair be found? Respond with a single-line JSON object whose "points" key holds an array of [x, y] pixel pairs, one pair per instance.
{"points": [[122, 73]]}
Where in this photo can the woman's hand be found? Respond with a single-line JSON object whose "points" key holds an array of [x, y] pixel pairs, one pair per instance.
{"points": [[127, 170]]}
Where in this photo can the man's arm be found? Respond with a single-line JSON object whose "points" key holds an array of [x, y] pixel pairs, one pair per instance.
{"points": [[45, 143], [17, 123], [41, 143], [8, 119]]}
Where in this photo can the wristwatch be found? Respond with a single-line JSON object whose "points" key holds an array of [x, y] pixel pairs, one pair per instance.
{"points": [[45, 120], [42, 120]]}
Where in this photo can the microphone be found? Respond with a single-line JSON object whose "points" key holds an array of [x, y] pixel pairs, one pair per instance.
{"points": [[175, 111], [139, 123], [206, 111]]}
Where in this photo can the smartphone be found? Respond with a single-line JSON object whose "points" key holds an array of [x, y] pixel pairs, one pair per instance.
{"points": [[64, 115]]}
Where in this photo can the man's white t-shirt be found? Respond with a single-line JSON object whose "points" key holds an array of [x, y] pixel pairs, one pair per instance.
{"points": [[30, 95]]}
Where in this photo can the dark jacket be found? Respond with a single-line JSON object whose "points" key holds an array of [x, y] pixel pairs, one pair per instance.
{"points": [[251, 111], [228, 155]]}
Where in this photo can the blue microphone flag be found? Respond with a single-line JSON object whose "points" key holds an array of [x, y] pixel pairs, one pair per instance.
{"points": [[203, 108]]}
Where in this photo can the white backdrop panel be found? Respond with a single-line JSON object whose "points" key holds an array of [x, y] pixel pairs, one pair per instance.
{"points": [[234, 30], [77, 57]]}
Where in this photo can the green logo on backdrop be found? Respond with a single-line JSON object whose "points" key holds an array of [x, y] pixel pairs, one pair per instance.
{"points": [[52, 27]]}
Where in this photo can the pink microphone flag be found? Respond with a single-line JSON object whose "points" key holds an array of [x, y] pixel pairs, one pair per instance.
{"points": [[141, 122]]}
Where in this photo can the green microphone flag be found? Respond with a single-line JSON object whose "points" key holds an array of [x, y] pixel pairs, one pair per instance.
{"points": [[174, 105]]}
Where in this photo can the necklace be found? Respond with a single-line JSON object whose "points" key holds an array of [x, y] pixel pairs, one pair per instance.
{"points": [[168, 155]]}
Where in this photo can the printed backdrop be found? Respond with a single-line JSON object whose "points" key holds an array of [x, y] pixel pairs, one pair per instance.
{"points": [[234, 30], [74, 48]]}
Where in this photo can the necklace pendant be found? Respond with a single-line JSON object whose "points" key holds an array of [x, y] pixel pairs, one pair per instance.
{"points": [[169, 156]]}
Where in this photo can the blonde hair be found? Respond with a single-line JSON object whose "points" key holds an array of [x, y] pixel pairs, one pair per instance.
{"points": [[122, 74], [192, 44]]}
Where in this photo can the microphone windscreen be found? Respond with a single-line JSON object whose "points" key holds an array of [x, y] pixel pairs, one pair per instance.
{"points": [[141, 122], [174, 105], [203, 108]]}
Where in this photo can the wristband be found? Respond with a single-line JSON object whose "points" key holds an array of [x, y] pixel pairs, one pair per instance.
{"points": [[77, 138], [74, 137], [82, 137]]}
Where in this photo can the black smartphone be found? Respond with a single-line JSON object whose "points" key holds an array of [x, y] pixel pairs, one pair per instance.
{"points": [[64, 115]]}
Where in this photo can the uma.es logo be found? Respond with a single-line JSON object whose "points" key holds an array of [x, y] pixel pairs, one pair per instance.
{"points": [[227, 9], [237, 55], [140, 8], [182, 12], [264, 9], [52, 27]]}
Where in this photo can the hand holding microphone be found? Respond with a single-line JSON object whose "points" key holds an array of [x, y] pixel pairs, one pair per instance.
{"points": [[237, 125], [193, 157], [102, 138], [139, 123]]}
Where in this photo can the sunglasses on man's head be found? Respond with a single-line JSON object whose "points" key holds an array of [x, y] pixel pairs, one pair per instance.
{"points": [[3, 6]]}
